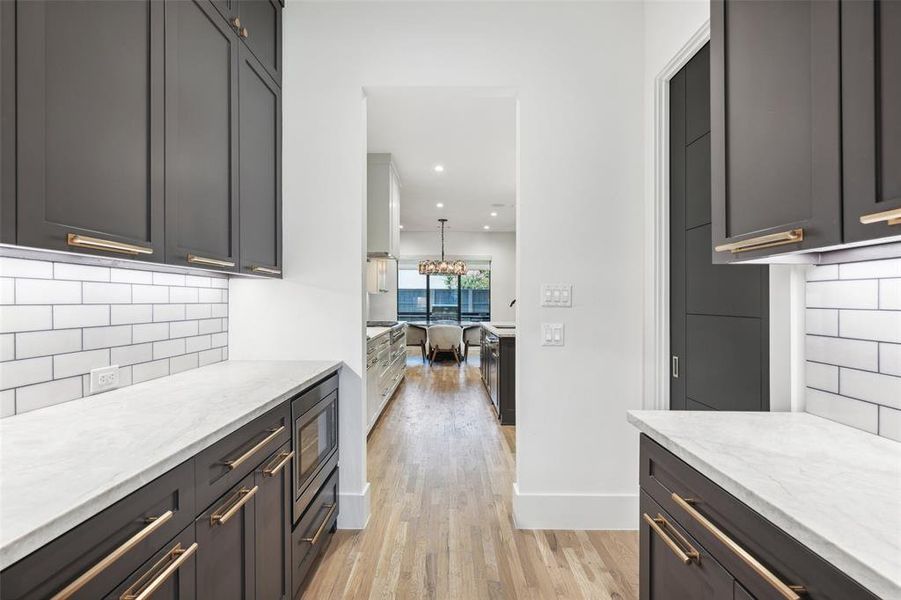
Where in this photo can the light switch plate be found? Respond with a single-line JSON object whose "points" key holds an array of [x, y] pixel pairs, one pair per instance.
{"points": [[104, 378], [559, 295], [552, 334]]}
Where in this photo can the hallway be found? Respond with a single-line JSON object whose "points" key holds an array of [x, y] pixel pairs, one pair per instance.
{"points": [[441, 471]]}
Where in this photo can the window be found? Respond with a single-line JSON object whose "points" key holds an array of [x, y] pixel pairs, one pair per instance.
{"points": [[443, 297]]}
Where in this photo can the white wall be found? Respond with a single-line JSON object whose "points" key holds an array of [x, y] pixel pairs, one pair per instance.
{"points": [[500, 247], [576, 70]]}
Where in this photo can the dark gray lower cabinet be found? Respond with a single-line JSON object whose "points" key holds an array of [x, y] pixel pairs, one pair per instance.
{"points": [[273, 526], [170, 574], [686, 520], [313, 532]]}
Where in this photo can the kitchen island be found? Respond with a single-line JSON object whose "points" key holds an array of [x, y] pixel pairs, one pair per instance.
{"points": [[498, 368], [814, 503]]}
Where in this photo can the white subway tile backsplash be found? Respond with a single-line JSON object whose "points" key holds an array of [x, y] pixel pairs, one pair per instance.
{"points": [[822, 321], [890, 423], [107, 293], [106, 337], [856, 354], [130, 355], [47, 394], [822, 377], [843, 294], [890, 359], [16, 373], [25, 318], [890, 294], [872, 387], [80, 315], [150, 370], [80, 272], [60, 320], [18, 267], [121, 314], [47, 343], [78, 363], [822, 273], [872, 269], [47, 291], [879, 325], [855, 413]]}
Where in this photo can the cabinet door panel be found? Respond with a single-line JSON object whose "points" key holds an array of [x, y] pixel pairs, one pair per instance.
{"points": [[262, 21], [273, 525], [260, 160], [179, 584], [871, 116], [775, 129], [201, 135], [90, 123]]}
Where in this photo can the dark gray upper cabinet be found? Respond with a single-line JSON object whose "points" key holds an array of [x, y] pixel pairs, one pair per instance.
{"points": [[871, 119], [88, 128], [775, 127], [259, 24], [201, 137], [260, 171]]}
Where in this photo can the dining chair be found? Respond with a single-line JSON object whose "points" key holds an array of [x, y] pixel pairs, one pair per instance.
{"points": [[445, 338], [472, 336], [417, 336]]}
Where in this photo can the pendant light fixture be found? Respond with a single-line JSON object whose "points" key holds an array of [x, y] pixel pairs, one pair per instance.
{"points": [[443, 266]]}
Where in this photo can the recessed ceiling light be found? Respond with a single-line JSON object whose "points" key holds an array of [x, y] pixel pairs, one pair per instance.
{"points": [[486, 226], [493, 213], [439, 205], [401, 226], [439, 168]]}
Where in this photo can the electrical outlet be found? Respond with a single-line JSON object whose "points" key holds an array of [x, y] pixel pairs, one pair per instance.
{"points": [[104, 378], [559, 295], [552, 334]]}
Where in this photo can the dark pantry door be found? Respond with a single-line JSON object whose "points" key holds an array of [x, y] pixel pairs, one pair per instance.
{"points": [[719, 314]]}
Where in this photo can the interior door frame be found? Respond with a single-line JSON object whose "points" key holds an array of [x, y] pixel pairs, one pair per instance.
{"points": [[656, 394]]}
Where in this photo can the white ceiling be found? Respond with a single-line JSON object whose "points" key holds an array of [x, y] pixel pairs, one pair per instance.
{"points": [[470, 132]]}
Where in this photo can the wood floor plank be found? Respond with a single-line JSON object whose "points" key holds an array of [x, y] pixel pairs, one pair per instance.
{"points": [[441, 471]]}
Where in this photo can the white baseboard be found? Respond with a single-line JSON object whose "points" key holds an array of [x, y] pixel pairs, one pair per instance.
{"points": [[354, 513], [574, 511]]}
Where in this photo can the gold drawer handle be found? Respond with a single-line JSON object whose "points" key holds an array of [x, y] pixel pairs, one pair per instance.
{"points": [[657, 524], [210, 262], [150, 581], [83, 241], [226, 512], [265, 270], [153, 523], [790, 592], [892, 217], [791, 236], [328, 517], [272, 470], [273, 433]]}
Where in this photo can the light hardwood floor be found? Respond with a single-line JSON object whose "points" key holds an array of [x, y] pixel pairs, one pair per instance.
{"points": [[441, 471]]}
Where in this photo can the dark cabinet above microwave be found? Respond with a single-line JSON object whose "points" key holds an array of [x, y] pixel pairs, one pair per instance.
{"points": [[805, 118], [144, 139]]}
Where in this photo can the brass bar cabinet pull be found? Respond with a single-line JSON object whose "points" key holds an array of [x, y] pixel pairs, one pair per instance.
{"points": [[84, 241], [789, 592], [792, 236], [892, 217], [657, 524], [226, 512], [266, 270], [153, 523], [273, 469], [312, 540], [273, 433], [149, 582], [210, 262]]}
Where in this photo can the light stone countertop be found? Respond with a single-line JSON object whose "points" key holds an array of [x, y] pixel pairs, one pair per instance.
{"points": [[498, 329], [63, 464], [834, 488], [374, 332]]}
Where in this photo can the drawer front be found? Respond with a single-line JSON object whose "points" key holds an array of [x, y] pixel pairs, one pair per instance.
{"points": [[171, 573], [221, 466], [664, 572], [312, 534], [93, 558], [666, 479]]}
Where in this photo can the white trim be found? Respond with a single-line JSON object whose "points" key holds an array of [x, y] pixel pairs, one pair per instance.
{"points": [[354, 513], [574, 511], [656, 330]]}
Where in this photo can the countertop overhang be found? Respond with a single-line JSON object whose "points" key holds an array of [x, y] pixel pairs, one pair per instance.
{"points": [[500, 329], [834, 488], [63, 464]]}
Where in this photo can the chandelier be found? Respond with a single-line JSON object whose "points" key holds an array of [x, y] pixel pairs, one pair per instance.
{"points": [[442, 267]]}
